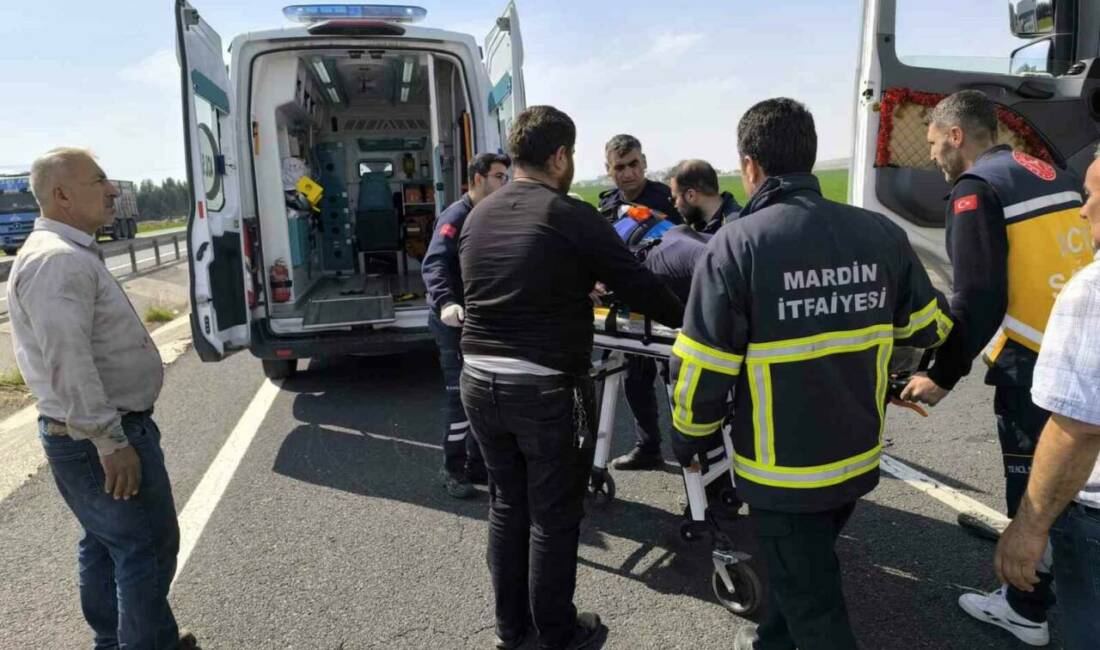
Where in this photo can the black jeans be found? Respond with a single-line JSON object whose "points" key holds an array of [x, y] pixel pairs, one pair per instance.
{"points": [[459, 448], [638, 386], [807, 601], [1019, 423], [538, 443]]}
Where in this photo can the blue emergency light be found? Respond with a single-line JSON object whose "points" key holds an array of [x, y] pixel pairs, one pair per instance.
{"points": [[387, 13]]}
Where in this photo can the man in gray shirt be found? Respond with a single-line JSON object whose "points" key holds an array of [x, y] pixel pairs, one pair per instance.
{"points": [[96, 373], [1063, 491]]}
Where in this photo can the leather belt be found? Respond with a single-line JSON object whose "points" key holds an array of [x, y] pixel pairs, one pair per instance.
{"points": [[512, 379]]}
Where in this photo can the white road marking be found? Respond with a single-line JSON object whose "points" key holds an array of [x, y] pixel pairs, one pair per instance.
{"points": [[414, 443], [205, 498], [949, 496]]}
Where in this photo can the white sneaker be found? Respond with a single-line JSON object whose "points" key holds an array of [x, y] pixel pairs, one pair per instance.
{"points": [[993, 608]]}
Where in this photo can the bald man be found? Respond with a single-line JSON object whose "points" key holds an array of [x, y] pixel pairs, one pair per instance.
{"points": [[96, 372]]}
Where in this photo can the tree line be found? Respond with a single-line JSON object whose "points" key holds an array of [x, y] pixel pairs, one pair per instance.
{"points": [[170, 199]]}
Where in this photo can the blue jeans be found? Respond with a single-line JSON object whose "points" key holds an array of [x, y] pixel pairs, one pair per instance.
{"points": [[1075, 541], [127, 557]]}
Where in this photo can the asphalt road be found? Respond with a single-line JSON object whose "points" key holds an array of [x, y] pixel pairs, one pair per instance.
{"points": [[332, 531]]}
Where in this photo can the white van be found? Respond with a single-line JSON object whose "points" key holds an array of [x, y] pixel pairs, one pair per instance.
{"points": [[1048, 86], [384, 115]]}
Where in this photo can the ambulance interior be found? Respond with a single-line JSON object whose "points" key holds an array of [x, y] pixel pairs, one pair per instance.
{"points": [[385, 137]]}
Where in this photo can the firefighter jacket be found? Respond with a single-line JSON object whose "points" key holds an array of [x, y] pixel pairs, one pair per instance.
{"points": [[796, 308]]}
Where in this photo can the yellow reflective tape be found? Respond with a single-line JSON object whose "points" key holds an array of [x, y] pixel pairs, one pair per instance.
{"points": [[808, 477], [917, 320], [944, 325], [679, 392], [801, 484], [759, 447], [829, 350], [826, 336], [696, 430], [707, 350], [706, 361], [769, 406], [882, 369]]}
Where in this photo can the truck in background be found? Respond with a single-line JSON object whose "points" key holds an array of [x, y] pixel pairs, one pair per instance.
{"points": [[18, 210], [126, 213]]}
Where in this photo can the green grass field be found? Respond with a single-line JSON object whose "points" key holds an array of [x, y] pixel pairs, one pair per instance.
{"points": [[834, 185]]}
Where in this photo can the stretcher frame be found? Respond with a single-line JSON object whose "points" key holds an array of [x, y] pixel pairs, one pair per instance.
{"points": [[616, 334]]}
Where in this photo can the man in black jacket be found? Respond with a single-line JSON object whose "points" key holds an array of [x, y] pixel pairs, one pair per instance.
{"points": [[626, 165], [694, 186], [530, 255]]}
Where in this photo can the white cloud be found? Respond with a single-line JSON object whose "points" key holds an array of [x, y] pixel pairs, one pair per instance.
{"points": [[674, 44], [159, 70]]}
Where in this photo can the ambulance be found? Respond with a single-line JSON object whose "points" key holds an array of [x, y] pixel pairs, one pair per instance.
{"points": [[319, 159], [1047, 86]]}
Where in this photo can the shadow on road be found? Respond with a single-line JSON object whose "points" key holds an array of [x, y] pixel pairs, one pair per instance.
{"points": [[372, 427]]}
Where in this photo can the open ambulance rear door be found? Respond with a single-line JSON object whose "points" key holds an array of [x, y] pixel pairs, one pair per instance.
{"points": [[220, 317], [504, 64], [1045, 75]]}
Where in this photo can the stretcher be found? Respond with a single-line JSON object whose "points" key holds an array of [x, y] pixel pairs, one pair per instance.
{"points": [[617, 334]]}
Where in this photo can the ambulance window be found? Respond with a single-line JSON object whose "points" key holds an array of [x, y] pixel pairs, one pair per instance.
{"points": [[384, 167], [972, 36], [209, 149]]}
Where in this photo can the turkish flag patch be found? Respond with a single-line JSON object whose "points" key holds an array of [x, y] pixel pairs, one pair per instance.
{"points": [[966, 203], [448, 230]]}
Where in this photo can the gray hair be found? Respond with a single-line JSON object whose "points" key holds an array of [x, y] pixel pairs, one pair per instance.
{"points": [[1096, 154], [621, 145], [970, 110], [51, 168]]}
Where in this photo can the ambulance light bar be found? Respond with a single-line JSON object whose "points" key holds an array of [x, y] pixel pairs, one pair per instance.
{"points": [[387, 13]]}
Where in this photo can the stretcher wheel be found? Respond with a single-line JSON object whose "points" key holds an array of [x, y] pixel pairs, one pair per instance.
{"points": [[745, 597], [602, 488]]}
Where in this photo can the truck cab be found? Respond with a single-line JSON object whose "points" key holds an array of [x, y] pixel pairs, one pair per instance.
{"points": [[18, 210], [1037, 59], [319, 161]]}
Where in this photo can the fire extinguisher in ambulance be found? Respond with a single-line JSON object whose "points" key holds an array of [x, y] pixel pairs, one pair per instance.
{"points": [[280, 281]]}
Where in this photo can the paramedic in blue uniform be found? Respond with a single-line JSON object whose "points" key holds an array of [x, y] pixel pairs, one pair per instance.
{"points": [[462, 464], [695, 191], [626, 164], [530, 256], [1014, 238], [795, 308]]}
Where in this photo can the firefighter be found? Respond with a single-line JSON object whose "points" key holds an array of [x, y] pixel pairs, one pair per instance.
{"points": [[695, 192], [1014, 238], [462, 464], [796, 308]]}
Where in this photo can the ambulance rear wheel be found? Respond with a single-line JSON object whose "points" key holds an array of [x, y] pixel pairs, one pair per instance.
{"points": [[745, 597], [279, 368]]}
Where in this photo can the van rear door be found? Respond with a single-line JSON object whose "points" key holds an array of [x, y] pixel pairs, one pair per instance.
{"points": [[504, 64], [1045, 76], [220, 317]]}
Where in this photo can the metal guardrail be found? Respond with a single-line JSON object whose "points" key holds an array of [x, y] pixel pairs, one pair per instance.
{"points": [[162, 245]]}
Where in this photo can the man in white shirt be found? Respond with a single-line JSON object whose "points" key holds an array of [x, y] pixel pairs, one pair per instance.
{"points": [[1063, 493], [96, 373]]}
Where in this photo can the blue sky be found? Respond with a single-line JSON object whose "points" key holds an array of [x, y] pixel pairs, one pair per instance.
{"points": [[103, 74]]}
